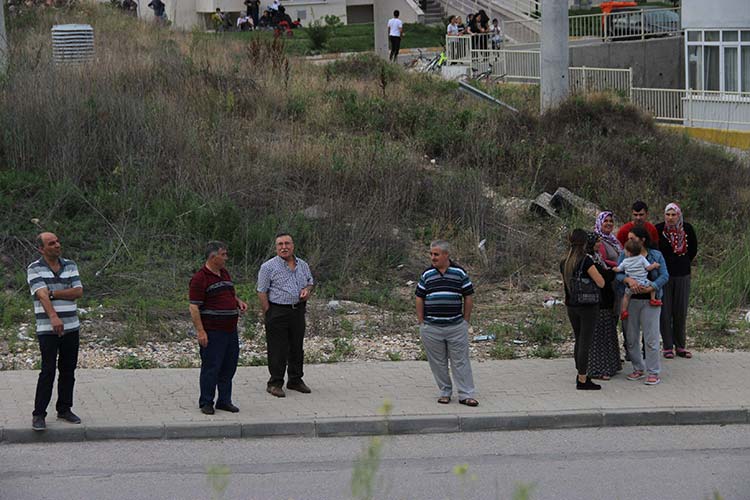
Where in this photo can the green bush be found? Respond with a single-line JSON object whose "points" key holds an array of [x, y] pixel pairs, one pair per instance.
{"points": [[501, 350], [133, 362], [318, 34], [544, 352]]}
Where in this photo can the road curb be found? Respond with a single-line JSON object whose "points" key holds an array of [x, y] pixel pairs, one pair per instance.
{"points": [[378, 425]]}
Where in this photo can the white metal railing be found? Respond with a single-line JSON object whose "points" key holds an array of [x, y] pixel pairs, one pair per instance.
{"points": [[641, 23], [511, 64], [522, 31], [635, 24], [458, 49], [695, 108], [585, 80], [525, 65], [516, 9]]}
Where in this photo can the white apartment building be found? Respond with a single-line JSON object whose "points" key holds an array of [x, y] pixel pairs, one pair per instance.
{"points": [[187, 14], [717, 44], [717, 63]]}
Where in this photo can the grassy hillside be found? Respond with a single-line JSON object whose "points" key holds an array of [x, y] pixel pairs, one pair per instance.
{"points": [[170, 139]]}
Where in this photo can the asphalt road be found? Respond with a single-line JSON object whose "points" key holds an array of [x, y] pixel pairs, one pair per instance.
{"points": [[662, 463]]}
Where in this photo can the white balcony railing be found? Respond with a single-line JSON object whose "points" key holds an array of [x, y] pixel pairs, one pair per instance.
{"points": [[584, 80], [695, 108], [631, 24]]}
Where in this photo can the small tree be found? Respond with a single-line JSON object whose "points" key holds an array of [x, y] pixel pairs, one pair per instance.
{"points": [[320, 32]]}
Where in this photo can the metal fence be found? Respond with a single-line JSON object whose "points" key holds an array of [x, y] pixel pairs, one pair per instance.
{"points": [[522, 31], [630, 24], [695, 108], [523, 65], [458, 49], [586, 80]]}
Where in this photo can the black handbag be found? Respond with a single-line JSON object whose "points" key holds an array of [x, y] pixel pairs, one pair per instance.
{"points": [[583, 290]]}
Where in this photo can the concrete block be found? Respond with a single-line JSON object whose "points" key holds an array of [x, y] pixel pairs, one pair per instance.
{"points": [[100, 432], [363, 426], [565, 420], [541, 206], [423, 424], [638, 416], [565, 201], [51, 435], [302, 428], [201, 430], [454, 72], [711, 416], [494, 422]]}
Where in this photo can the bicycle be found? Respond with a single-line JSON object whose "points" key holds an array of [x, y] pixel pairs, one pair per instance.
{"points": [[420, 60], [486, 75], [436, 63]]}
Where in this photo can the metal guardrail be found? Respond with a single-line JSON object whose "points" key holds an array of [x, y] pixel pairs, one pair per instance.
{"points": [[631, 24], [584, 80], [695, 108], [525, 66], [522, 31], [522, 65]]}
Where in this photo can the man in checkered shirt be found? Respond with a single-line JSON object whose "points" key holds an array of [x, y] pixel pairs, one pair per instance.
{"points": [[284, 285]]}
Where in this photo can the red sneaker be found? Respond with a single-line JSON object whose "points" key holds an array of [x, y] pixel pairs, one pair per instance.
{"points": [[655, 302], [624, 315]]}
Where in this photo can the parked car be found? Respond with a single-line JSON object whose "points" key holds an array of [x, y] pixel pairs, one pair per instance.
{"points": [[633, 22]]}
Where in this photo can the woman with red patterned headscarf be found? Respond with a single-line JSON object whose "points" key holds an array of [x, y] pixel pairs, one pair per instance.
{"points": [[678, 243], [610, 248]]}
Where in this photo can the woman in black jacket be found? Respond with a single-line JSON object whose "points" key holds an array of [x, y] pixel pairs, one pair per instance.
{"points": [[679, 245], [578, 265]]}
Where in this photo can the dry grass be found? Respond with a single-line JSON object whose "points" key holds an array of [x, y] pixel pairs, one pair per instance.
{"points": [[170, 139]]}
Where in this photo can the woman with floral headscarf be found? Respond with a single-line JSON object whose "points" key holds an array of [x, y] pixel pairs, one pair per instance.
{"points": [[678, 243], [610, 248], [604, 353]]}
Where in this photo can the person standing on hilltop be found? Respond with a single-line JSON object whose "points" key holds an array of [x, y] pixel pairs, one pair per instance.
{"points": [[284, 286], [445, 299], [253, 10], [130, 6], [55, 285], [214, 309], [395, 32], [159, 9], [679, 245]]}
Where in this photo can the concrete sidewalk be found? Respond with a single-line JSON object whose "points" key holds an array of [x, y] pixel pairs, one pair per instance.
{"points": [[711, 388]]}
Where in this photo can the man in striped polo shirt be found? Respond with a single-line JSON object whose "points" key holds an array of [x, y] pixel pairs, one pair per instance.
{"points": [[444, 303], [55, 285], [214, 309]]}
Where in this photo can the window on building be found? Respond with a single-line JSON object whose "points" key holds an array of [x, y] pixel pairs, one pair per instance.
{"points": [[718, 60], [695, 68]]}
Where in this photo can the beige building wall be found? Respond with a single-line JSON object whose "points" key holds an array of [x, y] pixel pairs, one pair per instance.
{"points": [[187, 14], [409, 13]]}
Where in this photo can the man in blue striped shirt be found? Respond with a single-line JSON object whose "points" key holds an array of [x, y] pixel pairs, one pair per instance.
{"points": [[444, 303], [55, 285]]}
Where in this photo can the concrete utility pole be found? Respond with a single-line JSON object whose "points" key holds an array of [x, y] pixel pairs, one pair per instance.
{"points": [[383, 13], [3, 40], [554, 53]]}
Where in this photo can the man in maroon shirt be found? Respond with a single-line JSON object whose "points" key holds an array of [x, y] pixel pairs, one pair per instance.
{"points": [[640, 218], [214, 309]]}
